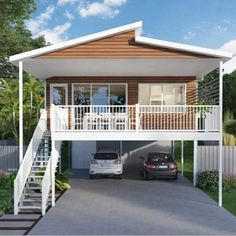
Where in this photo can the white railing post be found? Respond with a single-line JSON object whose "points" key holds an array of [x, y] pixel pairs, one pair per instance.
{"points": [[52, 123], [137, 117], [221, 132], [182, 157], [20, 112], [53, 155], [16, 208], [195, 168]]}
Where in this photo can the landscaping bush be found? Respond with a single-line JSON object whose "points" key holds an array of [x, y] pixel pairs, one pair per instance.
{"points": [[62, 181], [229, 182], [208, 180], [3, 177]]}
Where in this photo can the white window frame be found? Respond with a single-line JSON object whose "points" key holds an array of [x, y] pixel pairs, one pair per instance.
{"points": [[162, 95], [107, 84], [58, 85]]}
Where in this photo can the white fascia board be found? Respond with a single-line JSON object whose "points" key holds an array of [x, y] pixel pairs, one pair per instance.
{"points": [[33, 53], [183, 47], [73, 135]]}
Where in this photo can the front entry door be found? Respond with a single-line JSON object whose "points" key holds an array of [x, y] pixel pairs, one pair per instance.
{"points": [[59, 96]]}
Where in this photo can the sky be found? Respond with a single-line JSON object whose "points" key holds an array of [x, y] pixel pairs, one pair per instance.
{"points": [[205, 23]]}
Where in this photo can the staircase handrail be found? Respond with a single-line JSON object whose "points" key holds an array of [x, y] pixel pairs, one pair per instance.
{"points": [[26, 164], [46, 182]]}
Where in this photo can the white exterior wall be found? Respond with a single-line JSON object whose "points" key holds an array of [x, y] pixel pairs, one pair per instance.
{"points": [[82, 150], [82, 153]]}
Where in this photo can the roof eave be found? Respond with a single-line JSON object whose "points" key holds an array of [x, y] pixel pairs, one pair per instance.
{"points": [[184, 47]]}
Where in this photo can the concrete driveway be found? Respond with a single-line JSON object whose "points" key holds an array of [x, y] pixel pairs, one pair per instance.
{"points": [[134, 206]]}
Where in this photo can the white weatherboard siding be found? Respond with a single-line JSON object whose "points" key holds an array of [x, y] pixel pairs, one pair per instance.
{"points": [[208, 158]]}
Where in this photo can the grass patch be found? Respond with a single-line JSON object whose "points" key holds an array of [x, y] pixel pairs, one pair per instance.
{"points": [[229, 197], [188, 158]]}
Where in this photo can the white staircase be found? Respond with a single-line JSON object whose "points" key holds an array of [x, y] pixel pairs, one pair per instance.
{"points": [[33, 183], [31, 198]]}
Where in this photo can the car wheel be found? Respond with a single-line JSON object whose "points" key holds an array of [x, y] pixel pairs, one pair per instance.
{"points": [[145, 176], [91, 176], [120, 176], [176, 177]]}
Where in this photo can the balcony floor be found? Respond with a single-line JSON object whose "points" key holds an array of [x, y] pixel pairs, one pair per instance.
{"points": [[133, 135]]}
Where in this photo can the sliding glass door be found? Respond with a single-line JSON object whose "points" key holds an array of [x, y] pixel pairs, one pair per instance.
{"points": [[99, 94]]}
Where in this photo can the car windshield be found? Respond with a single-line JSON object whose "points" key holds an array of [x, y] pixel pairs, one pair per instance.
{"points": [[105, 156], [159, 157]]}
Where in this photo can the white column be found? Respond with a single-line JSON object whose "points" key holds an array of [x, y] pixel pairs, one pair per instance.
{"points": [[121, 148], [195, 162], [137, 116], [53, 154], [221, 132], [182, 157], [20, 112]]}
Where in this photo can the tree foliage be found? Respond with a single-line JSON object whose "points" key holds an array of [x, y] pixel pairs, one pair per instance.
{"points": [[16, 38], [9, 107]]}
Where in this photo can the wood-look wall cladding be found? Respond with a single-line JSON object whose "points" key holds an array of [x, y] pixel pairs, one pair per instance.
{"points": [[118, 46], [132, 83]]}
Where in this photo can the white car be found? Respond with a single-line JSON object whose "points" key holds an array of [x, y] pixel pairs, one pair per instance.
{"points": [[106, 163]]}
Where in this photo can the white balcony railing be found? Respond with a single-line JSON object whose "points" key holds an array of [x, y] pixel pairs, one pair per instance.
{"points": [[135, 118]]}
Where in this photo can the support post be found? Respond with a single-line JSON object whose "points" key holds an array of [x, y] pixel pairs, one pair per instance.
{"points": [[20, 112], [182, 157], [53, 153], [121, 148], [221, 132], [195, 162], [137, 117]]}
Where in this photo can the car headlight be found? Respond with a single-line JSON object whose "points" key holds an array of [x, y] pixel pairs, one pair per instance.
{"points": [[94, 162], [117, 162]]}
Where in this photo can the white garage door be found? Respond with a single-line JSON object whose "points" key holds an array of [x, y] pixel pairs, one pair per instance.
{"points": [[81, 153]]}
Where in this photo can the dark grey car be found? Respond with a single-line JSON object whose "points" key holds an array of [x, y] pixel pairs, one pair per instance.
{"points": [[159, 165]]}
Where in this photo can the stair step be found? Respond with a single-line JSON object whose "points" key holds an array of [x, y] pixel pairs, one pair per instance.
{"points": [[35, 177], [31, 182], [33, 187], [39, 195], [6, 232], [15, 224], [19, 217], [27, 207], [37, 171]]}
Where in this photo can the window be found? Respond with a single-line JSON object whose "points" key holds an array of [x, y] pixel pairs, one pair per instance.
{"points": [[99, 94], [117, 94], [59, 94], [82, 94], [162, 94]]}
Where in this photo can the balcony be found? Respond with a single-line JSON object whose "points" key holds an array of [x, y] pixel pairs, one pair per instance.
{"points": [[135, 118]]}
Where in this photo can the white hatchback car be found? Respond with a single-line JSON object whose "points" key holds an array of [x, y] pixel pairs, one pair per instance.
{"points": [[106, 163]]}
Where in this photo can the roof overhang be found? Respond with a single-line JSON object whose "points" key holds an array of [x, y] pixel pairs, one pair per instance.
{"points": [[45, 68]]}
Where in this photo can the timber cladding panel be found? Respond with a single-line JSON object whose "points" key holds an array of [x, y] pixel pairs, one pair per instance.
{"points": [[116, 47], [132, 82]]}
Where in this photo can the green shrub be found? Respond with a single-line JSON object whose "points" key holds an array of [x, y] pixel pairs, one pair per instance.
{"points": [[229, 182], [62, 181], [208, 180], [230, 127], [3, 177]]}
